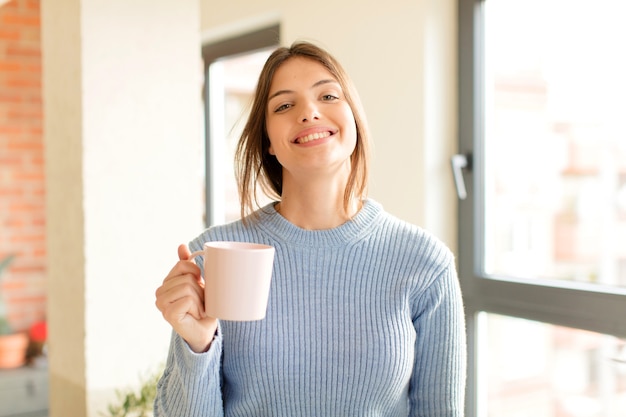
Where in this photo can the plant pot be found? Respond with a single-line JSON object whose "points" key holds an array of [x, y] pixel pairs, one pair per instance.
{"points": [[13, 350]]}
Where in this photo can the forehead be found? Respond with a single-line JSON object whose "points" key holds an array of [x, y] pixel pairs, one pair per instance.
{"points": [[299, 70]]}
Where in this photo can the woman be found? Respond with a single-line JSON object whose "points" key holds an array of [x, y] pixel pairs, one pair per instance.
{"points": [[365, 316]]}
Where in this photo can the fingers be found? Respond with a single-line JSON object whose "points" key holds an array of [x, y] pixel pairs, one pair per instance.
{"points": [[182, 283], [180, 309], [180, 299], [183, 252], [184, 268], [178, 287]]}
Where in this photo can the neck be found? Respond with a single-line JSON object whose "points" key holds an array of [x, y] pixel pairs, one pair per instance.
{"points": [[316, 206]]}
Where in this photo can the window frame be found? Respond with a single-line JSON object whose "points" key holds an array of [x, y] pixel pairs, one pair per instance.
{"points": [[584, 306]]}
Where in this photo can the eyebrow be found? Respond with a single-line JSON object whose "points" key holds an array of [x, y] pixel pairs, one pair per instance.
{"points": [[317, 84]]}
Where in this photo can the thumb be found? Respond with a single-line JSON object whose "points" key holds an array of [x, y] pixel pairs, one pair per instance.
{"points": [[183, 252]]}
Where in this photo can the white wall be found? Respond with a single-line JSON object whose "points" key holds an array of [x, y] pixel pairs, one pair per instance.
{"points": [[122, 101], [402, 57]]}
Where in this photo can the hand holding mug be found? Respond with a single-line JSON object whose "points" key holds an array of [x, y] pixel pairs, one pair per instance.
{"points": [[180, 298]]}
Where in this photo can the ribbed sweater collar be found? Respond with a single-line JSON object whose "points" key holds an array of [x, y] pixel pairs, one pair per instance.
{"points": [[352, 230]]}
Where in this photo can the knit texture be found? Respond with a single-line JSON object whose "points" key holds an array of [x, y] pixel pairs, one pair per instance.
{"points": [[365, 319]]}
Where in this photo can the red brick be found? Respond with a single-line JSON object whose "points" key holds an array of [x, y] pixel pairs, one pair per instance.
{"points": [[10, 190], [29, 176], [24, 145], [33, 5], [7, 65], [24, 206], [11, 130], [19, 19], [25, 113], [24, 238], [9, 34], [24, 82], [35, 99], [14, 223], [12, 96], [33, 67], [11, 285], [7, 159], [11, 5], [23, 50], [28, 269], [39, 222]]}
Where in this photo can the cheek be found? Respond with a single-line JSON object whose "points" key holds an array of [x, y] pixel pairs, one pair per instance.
{"points": [[350, 122], [351, 131]]}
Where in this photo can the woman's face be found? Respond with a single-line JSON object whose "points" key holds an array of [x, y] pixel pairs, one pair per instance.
{"points": [[309, 122]]}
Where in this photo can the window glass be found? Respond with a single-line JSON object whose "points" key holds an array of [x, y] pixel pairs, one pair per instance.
{"points": [[232, 84], [540, 370], [555, 162]]}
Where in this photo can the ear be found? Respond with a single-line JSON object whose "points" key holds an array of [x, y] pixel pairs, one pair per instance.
{"points": [[270, 150]]}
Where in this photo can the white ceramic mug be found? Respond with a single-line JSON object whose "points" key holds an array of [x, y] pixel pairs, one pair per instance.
{"points": [[237, 277]]}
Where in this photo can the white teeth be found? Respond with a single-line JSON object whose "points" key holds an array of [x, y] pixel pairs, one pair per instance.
{"points": [[313, 136]]}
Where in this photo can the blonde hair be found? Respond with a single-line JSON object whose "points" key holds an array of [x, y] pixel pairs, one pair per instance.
{"points": [[256, 166]]}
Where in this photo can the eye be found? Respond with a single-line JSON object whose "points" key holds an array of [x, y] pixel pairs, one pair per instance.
{"points": [[282, 107], [329, 97]]}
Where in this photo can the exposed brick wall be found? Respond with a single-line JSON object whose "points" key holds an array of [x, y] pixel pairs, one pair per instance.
{"points": [[22, 182]]}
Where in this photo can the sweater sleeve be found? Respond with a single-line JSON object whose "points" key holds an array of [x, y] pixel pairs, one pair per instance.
{"points": [[191, 383], [437, 387]]}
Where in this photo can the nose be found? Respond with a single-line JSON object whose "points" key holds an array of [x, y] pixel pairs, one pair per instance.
{"points": [[309, 112]]}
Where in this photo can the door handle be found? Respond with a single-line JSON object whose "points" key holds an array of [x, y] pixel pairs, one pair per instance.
{"points": [[459, 162]]}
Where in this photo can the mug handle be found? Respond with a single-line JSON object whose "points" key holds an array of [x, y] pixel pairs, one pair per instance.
{"points": [[194, 254]]}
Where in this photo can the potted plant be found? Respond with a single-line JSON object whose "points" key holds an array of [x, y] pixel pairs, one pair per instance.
{"points": [[131, 403], [13, 344]]}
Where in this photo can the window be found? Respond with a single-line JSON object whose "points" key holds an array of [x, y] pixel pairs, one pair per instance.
{"points": [[542, 231], [232, 68]]}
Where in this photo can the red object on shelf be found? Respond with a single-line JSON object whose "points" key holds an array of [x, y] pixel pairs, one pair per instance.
{"points": [[38, 332]]}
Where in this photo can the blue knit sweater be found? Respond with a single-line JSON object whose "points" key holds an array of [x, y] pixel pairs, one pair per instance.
{"points": [[365, 319]]}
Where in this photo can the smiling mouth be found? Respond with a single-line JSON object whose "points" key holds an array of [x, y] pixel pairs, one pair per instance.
{"points": [[312, 137]]}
